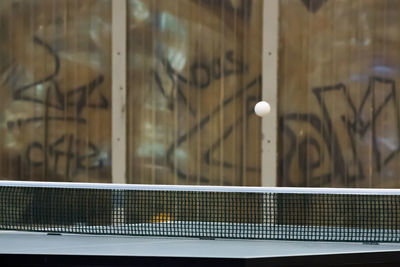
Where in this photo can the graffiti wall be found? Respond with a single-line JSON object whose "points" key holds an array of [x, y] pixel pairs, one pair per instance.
{"points": [[198, 64], [55, 90], [194, 77], [338, 93]]}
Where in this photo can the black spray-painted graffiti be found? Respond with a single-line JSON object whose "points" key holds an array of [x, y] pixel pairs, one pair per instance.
{"points": [[201, 76], [340, 131], [204, 121], [313, 5], [54, 99], [239, 8], [67, 148]]}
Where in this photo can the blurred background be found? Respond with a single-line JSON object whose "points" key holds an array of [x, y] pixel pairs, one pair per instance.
{"points": [[194, 74]]}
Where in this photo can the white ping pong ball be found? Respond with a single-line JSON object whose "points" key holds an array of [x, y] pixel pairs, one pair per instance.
{"points": [[262, 108]]}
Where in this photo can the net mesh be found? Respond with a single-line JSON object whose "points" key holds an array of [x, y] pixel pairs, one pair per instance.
{"points": [[202, 214]]}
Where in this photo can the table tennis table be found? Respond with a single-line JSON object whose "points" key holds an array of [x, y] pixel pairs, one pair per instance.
{"points": [[66, 224], [41, 249]]}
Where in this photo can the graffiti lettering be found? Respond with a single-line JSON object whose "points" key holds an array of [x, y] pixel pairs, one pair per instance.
{"points": [[205, 121], [202, 73], [76, 154], [356, 125], [51, 83]]}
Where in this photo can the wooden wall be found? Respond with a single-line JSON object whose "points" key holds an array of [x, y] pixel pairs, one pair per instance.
{"points": [[55, 95], [194, 77], [194, 71], [339, 103]]}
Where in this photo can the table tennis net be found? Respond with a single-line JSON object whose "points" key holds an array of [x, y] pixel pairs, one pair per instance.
{"points": [[201, 212]]}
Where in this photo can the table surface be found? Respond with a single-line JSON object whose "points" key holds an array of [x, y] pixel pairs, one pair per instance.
{"points": [[14, 246]]}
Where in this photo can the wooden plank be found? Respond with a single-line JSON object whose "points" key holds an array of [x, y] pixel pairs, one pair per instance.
{"points": [[119, 21], [269, 92]]}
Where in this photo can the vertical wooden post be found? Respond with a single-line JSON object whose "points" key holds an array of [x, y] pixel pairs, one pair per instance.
{"points": [[119, 56], [269, 92]]}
